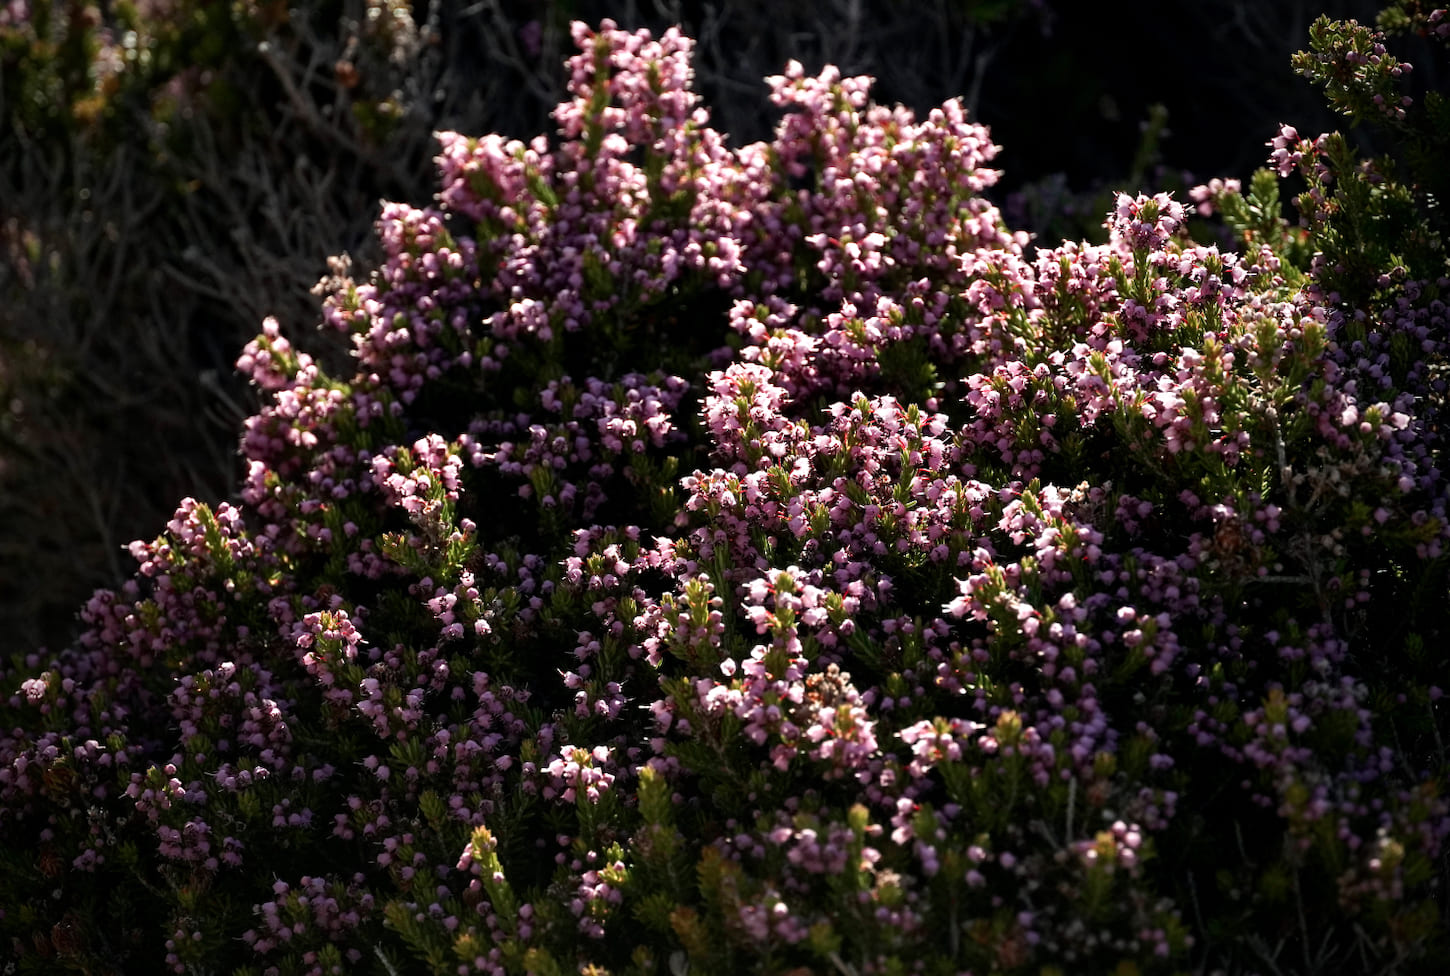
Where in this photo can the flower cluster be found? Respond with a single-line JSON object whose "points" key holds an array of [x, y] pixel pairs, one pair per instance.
{"points": [[756, 558]]}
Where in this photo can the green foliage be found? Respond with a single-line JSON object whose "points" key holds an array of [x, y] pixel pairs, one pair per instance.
{"points": [[1380, 217]]}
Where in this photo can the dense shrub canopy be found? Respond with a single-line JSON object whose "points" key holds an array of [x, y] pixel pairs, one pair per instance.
{"points": [[173, 172], [762, 559]]}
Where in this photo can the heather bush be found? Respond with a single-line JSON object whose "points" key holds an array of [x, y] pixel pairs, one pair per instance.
{"points": [[175, 171], [761, 559]]}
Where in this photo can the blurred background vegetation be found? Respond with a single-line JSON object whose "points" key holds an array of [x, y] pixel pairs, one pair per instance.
{"points": [[172, 171]]}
